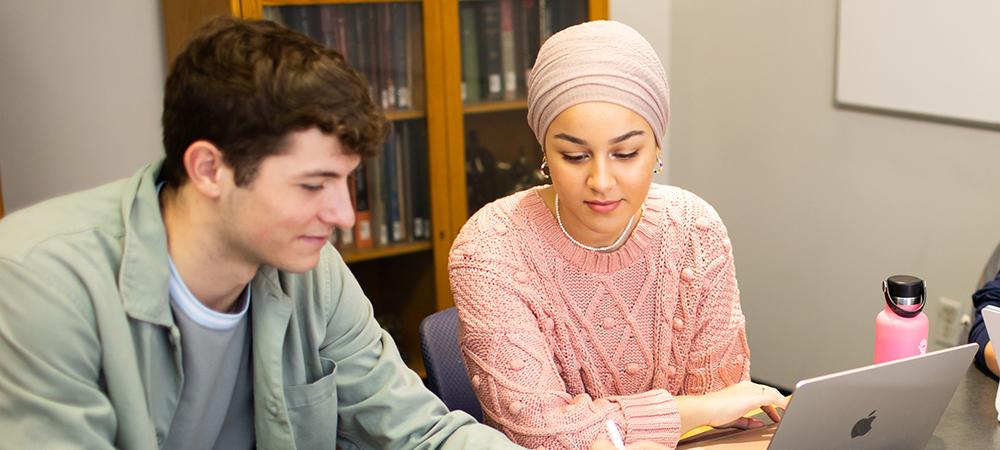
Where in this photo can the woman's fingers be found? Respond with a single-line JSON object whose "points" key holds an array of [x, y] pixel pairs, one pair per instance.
{"points": [[772, 412], [743, 423]]}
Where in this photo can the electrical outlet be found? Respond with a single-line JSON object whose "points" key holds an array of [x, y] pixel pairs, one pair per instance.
{"points": [[947, 322]]}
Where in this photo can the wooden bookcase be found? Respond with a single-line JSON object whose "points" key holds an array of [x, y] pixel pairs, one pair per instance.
{"points": [[406, 281]]}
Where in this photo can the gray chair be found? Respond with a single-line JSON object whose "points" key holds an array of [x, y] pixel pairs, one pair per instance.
{"points": [[446, 374]]}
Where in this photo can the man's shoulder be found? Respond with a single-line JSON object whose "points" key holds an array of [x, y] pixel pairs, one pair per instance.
{"points": [[64, 224]]}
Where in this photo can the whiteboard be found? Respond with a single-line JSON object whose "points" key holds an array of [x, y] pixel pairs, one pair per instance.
{"points": [[933, 58]]}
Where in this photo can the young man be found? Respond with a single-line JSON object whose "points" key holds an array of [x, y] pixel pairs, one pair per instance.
{"points": [[198, 304]]}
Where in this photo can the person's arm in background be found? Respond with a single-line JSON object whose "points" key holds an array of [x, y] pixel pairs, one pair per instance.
{"points": [[989, 294], [991, 358]]}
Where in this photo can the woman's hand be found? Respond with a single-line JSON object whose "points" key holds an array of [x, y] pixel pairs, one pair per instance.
{"points": [[725, 408]]}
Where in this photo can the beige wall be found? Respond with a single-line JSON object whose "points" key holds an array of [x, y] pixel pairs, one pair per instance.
{"points": [[652, 20], [821, 203], [80, 94]]}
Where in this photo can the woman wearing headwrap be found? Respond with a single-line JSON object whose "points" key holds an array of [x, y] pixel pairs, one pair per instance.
{"points": [[602, 296]]}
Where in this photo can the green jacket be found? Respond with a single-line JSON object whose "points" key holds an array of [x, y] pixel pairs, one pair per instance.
{"points": [[90, 356]]}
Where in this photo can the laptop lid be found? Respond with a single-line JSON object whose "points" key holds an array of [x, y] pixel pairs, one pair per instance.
{"points": [[891, 405], [895, 404]]}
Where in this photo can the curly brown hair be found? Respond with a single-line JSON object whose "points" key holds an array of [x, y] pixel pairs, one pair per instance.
{"points": [[246, 85]]}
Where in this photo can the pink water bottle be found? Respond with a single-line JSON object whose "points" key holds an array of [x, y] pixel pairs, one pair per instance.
{"points": [[901, 327]]}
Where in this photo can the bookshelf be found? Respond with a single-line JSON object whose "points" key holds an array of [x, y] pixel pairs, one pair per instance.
{"points": [[449, 152]]}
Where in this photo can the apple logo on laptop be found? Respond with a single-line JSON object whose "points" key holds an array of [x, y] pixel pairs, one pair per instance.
{"points": [[863, 426]]}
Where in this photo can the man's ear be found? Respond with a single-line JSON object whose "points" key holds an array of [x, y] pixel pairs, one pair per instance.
{"points": [[205, 168]]}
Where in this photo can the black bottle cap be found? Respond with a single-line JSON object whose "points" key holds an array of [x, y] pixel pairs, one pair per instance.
{"points": [[905, 286]]}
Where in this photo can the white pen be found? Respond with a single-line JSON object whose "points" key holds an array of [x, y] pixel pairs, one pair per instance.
{"points": [[615, 435]]}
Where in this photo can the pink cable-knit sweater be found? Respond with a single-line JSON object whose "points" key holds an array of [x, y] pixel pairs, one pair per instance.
{"points": [[557, 339]]}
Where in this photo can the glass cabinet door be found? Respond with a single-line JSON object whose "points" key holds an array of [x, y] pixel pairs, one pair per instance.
{"points": [[384, 42], [499, 41]]}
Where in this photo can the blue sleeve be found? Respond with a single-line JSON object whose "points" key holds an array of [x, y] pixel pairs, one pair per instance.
{"points": [[989, 294]]}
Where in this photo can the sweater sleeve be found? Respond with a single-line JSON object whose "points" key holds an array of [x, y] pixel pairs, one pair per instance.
{"points": [[989, 294], [514, 371], [719, 354]]}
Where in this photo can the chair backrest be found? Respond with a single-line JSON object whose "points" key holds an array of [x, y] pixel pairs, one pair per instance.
{"points": [[446, 374]]}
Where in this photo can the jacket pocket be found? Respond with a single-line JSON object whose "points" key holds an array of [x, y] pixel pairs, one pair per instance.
{"points": [[312, 410]]}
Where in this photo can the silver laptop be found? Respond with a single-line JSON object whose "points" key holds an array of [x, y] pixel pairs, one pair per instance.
{"points": [[893, 405]]}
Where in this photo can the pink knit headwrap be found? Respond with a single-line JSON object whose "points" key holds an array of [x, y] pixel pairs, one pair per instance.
{"points": [[599, 61]]}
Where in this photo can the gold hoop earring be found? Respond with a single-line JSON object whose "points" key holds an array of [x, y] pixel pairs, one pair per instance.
{"points": [[659, 165]]}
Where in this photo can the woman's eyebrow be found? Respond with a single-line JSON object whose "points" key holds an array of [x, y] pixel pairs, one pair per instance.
{"points": [[626, 136], [570, 138]]}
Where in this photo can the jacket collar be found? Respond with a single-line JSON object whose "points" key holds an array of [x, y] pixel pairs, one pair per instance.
{"points": [[145, 272]]}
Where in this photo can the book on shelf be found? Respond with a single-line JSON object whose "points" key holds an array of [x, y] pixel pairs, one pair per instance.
{"points": [[404, 195], [371, 31], [489, 48], [470, 51], [387, 81], [398, 34], [382, 41], [362, 208], [500, 40], [507, 60], [414, 55], [333, 23], [420, 183], [304, 19], [526, 41], [273, 14], [344, 238], [377, 195], [392, 191], [544, 25]]}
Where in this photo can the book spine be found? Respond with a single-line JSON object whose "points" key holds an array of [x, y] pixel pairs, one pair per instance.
{"points": [[362, 208], [508, 65], [404, 155], [273, 13], [544, 26], [380, 234], [328, 26], [489, 41], [395, 226], [370, 29], [400, 57], [421, 188], [415, 54], [341, 30], [527, 40], [387, 84], [470, 53]]}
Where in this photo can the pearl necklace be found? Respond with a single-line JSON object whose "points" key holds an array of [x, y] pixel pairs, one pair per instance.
{"points": [[614, 245]]}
